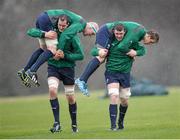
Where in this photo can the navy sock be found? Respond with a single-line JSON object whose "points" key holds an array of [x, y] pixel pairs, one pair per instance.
{"points": [[113, 114], [122, 112], [33, 58], [90, 68], [55, 108], [41, 60], [73, 112]]}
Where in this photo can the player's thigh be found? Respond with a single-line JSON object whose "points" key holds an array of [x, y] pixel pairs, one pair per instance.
{"points": [[103, 37], [69, 89], [112, 85], [70, 94], [101, 59], [111, 79], [124, 95], [113, 91], [125, 91], [67, 77], [53, 80], [53, 84], [51, 44], [42, 43]]}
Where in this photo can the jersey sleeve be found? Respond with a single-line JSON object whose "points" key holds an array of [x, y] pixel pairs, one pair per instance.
{"points": [[133, 35], [140, 49], [69, 33], [78, 53], [36, 33], [95, 51]]}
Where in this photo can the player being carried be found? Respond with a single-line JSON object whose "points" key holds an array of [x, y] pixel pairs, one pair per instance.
{"points": [[108, 33], [59, 20]]}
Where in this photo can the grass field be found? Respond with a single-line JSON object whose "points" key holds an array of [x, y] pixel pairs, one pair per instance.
{"points": [[152, 117]]}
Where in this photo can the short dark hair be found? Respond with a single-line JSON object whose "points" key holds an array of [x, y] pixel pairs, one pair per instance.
{"points": [[153, 35], [119, 27], [64, 18]]}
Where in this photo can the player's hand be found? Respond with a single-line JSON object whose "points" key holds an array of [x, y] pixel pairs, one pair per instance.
{"points": [[103, 53], [51, 35], [59, 55], [132, 53]]}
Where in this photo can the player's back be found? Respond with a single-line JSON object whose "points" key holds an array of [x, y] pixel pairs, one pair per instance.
{"points": [[55, 13]]}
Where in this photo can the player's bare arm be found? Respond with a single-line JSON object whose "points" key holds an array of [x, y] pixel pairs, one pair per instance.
{"points": [[51, 35]]}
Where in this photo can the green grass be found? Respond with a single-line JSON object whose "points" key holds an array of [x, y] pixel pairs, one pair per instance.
{"points": [[153, 117]]}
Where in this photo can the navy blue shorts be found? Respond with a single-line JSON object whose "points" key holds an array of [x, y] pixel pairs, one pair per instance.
{"points": [[116, 77], [43, 22], [104, 37], [66, 74]]}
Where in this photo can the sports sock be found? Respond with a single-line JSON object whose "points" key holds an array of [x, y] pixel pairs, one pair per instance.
{"points": [[122, 112], [113, 114], [90, 68], [55, 108], [73, 113], [33, 58], [41, 60]]}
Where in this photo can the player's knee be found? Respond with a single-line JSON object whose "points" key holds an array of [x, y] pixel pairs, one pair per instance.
{"points": [[101, 60], [53, 93], [114, 95], [51, 44], [52, 48], [125, 93], [69, 89], [44, 47], [124, 101], [114, 99], [53, 84], [71, 99]]}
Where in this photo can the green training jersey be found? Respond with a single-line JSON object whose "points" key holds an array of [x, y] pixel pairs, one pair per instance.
{"points": [[118, 61], [77, 25], [73, 51], [134, 33], [34, 32], [56, 13]]}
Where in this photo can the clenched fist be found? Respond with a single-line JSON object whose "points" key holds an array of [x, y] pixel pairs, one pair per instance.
{"points": [[59, 55], [103, 53]]}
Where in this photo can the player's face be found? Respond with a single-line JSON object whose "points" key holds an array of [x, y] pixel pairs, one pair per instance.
{"points": [[62, 25], [148, 40], [119, 34], [88, 31]]}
